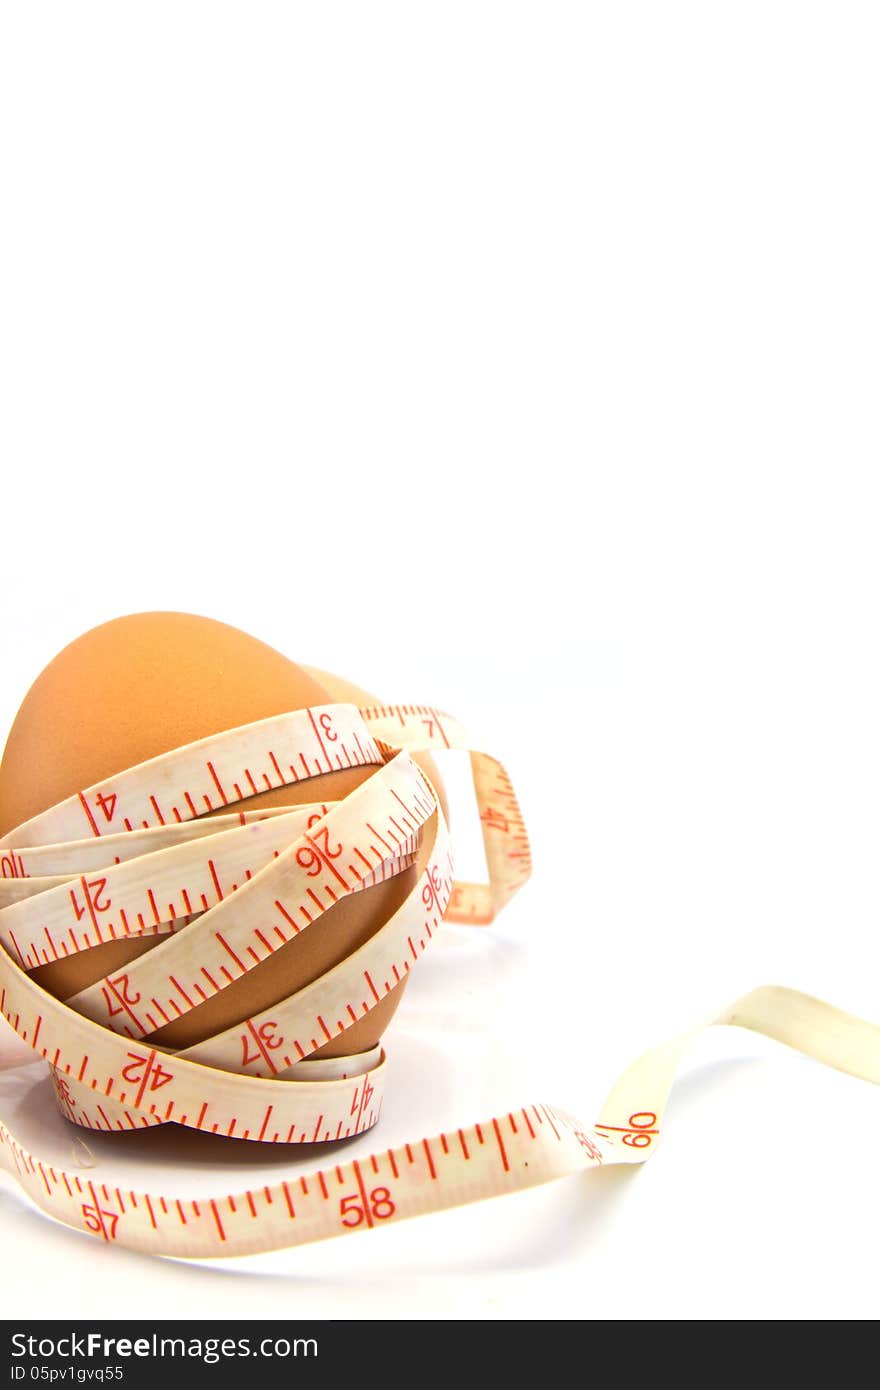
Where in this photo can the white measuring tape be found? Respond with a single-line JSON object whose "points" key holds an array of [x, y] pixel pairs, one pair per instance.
{"points": [[138, 857]]}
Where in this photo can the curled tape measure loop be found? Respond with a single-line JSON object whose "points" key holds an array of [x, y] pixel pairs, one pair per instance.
{"points": [[137, 857]]}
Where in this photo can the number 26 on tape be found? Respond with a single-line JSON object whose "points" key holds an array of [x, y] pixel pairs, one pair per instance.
{"points": [[313, 857], [356, 1208]]}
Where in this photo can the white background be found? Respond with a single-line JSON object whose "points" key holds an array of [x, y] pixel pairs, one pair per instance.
{"points": [[554, 329]]}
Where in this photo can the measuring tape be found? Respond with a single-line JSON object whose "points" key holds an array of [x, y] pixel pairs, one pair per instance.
{"points": [[138, 856]]}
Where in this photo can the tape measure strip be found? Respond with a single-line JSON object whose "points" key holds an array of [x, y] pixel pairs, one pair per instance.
{"points": [[422, 728], [506, 1153], [246, 925], [102, 1084], [212, 772], [107, 1079], [240, 889], [51, 918], [268, 1044]]}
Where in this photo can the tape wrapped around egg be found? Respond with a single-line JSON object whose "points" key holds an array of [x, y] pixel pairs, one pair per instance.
{"points": [[128, 692], [174, 793]]}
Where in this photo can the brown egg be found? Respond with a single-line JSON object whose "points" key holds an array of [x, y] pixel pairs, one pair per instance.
{"points": [[140, 686]]}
